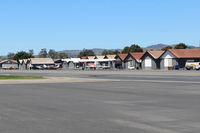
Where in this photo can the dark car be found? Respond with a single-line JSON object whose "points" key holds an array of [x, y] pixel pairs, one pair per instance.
{"points": [[176, 67], [188, 67]]}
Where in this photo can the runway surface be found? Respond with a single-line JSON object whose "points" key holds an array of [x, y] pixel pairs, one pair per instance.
{"points": [[130, 102]]}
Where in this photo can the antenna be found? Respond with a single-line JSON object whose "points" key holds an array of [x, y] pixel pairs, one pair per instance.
{"points": [[199, 44]]}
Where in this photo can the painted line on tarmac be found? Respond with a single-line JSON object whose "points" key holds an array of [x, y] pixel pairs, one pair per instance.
{"points": [[162, 81]]}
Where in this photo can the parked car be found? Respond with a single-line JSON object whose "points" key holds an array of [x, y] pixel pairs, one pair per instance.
{"points": [[188, 67], [131, 68], [197, 67], [176, 67]]}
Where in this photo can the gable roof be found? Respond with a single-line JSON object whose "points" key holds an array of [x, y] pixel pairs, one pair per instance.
{"points": [[185, 53], [9, 61], [122, 56], [91, 57], [74, 60], [137, 55], [23, 61], [41, 61], [110, 56], [100, 57], [84, 57], [156, 54]]}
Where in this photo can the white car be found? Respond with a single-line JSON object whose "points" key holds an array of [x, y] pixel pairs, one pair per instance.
{"points": [[131, 68], [197, 67]]}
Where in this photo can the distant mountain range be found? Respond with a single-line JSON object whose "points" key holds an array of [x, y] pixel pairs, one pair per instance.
{"points": [[156, 46], [159, 46]]}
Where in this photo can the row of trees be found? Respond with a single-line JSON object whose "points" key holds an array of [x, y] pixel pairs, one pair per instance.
{"points": [[52, 54], [42, 54], [110, 52], [21, 55], [137, 48], [178, 46], [85, 52], [132, 48], [127, 49]]}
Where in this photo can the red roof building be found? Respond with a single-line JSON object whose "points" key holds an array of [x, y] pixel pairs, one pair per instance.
{"points": [[185, 53], [122, 56], [137, 55], [133, 60], [151, 60], [179, 57]]}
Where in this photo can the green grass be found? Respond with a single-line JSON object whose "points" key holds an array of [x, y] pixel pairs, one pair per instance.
{"points": [[4, 77]]}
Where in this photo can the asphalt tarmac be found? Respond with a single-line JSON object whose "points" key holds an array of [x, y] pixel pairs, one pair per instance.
{"points": [[129, 102]]}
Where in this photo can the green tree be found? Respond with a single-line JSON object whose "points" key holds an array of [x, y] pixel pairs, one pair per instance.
{"points": [[10, 56], [53, 54], [31, 53], [132, 48], [181, 46], [62, 55], [116, 52], [43, 53], [86, 52], [107, 52], [135, 48], [166, 48], [21, 55], [104, 52], [126, 50]]}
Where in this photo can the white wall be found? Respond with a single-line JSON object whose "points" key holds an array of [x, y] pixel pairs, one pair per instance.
{"points": [[147, 62], [167, 57]]}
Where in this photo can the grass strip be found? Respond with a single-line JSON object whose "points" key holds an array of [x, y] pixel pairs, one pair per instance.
{"points": [[5, 77]]}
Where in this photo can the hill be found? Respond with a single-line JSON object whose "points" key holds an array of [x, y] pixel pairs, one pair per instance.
{"points": [[156, 46]]}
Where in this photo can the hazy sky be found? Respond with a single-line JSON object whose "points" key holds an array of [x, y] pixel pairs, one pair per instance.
{"points": [[78, 24]]}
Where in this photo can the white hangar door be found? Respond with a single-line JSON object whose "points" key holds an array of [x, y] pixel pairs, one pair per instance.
{"points": [[147, 62], [168, 62]]}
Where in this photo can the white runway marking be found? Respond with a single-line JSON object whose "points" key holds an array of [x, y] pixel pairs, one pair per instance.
{"points": [[142, 126], [162, 81]]}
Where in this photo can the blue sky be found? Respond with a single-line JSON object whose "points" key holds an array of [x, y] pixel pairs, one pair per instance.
{"points": [[78, 24]]}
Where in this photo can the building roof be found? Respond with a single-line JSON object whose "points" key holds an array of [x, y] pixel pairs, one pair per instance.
{"points": [[77, 60], [91, 57], [2, 61], [74, 60], [100, 57], [23, 61], [41, 61], [9, 61], [137, 55], [84, 57], [156, 54], [185, 53], [97, 60], [122, 56], [110, 56]]}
